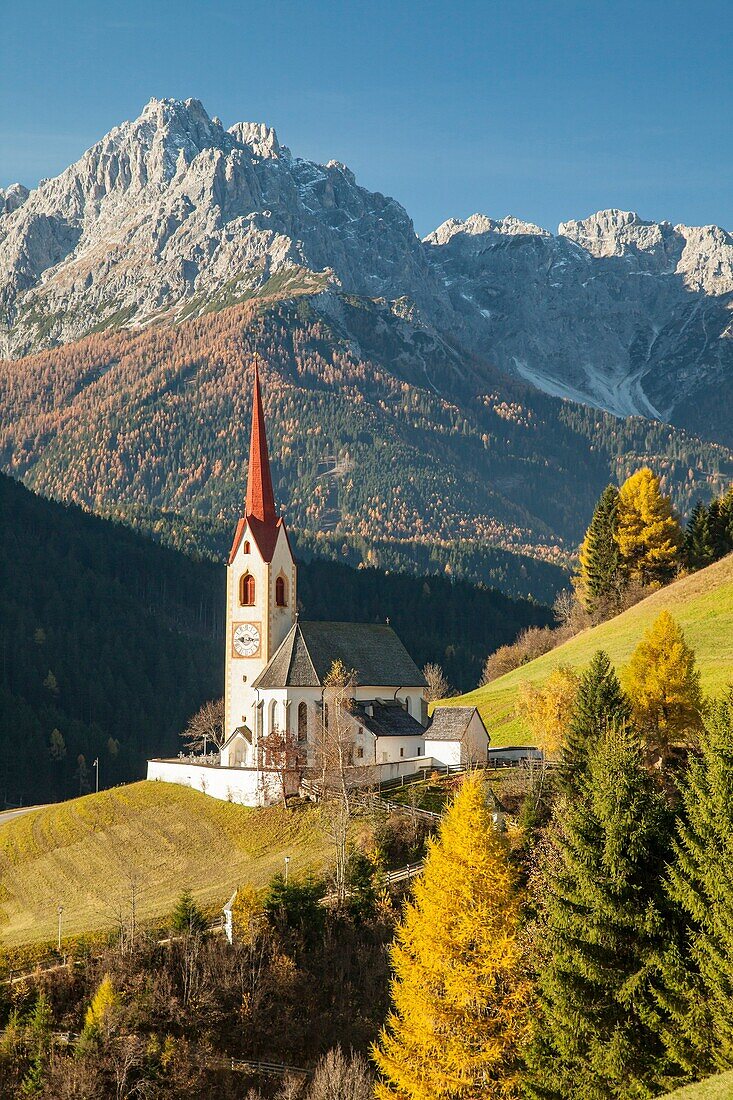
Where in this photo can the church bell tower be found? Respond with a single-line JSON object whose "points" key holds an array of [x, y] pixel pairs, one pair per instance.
{"points": [[261, 584]]}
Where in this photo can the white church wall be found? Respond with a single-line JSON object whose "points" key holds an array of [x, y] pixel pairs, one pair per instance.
{"points": [[374, 774], [241, 671], [246, 786], [398, 748], [281, 619], [414, 701], [238, 752]]}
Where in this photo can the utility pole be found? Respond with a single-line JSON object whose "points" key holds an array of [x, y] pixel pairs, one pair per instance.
{"points": [[95, 765], [60, 912], [287, 867], [133, 908]]}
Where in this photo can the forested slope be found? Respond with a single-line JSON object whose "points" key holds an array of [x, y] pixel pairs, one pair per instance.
{"points": [[377, 434], [104, 636], [113, 641]]}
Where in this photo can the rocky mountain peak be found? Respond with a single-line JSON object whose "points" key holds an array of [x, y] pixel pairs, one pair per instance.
{"points": [[165, 211], [170, 215], [183, 116], [616, 232], [479, 224], [260, 138], [11, 198]]}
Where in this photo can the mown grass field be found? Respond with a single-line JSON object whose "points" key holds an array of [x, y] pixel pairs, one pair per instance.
{"points": [[87, 853], [703, 605], [713, 1088]]}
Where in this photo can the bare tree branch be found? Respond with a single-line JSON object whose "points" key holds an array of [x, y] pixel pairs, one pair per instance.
{"points": [[206, 725]]}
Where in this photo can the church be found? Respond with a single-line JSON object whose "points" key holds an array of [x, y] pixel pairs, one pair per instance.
{"points": [[277, 672]]}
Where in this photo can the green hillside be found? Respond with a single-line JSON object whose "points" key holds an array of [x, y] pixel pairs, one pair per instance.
{"points": [[719, 1087], [703, 605], [114, 641], [87, 854]]}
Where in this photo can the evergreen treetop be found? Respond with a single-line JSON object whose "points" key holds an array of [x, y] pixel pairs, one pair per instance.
{"points": [[598, 579], [187, 917], [698, 967], [601, 925], [721, 525], [600, 704], [698, 545]]}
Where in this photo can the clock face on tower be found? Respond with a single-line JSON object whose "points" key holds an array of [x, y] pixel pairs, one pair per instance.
{"points": [[246, 639]]}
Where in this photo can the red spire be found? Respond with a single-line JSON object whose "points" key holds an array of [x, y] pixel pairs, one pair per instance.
{"points": [[260, 498]]}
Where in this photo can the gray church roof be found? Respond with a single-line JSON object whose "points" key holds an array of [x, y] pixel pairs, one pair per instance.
{"points": [[450, 723], [388, 719], [374, 652]]}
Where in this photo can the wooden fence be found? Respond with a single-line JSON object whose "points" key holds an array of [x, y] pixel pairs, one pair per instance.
{"points": [[403, 874], [41, 966], [267, 1069]]}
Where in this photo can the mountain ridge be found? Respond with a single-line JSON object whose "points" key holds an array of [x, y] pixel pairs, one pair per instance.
{"points": [[170, 214], [364, 446]]}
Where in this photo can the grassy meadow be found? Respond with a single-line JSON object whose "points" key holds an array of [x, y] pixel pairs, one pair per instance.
{"points": [[703, 605], [86, 855], [713, 1088]]}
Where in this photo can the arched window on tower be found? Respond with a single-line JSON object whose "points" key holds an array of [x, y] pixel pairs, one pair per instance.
{"points": [[302, 723], [245, 547], [281, 592], [247, 590]]}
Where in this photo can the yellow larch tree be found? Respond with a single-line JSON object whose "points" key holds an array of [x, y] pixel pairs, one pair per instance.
{"points": [[249, 921], [103, 1009], [662, 682], [547, 708], [648, 533], [460, 1014]]}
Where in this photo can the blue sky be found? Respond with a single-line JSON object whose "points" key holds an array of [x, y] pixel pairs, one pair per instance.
{"points": [[544, 110]]}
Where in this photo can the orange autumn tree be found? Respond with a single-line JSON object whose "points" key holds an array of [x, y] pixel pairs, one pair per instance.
{"points": [[460, 999], [662, 682]]}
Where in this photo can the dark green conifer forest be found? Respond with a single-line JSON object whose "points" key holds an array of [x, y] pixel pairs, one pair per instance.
{"points": [[109, 642]]}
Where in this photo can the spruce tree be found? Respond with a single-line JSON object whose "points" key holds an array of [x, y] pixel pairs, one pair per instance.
{"points": [[698, 546], [459, 1017], [726, 521], [600, 704], [648, 533], [598, 580], [187, 917], [698, 968], [721, 526], [600, 927], [38, 1040]]}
